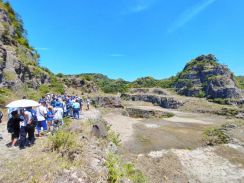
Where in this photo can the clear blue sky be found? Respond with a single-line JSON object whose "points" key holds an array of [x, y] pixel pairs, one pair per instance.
{"points": [[133, 38]]}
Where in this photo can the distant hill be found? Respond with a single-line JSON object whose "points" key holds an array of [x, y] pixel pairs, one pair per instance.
{"points": [[21, 74], [205, 77]]}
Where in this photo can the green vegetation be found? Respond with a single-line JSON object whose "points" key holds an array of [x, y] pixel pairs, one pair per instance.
{"points": [[117, 171], [202, 62], [119, 85], [221, 101], [17, 23], [5, 95], [62, 141], [114, 138], [113, 86], [9, 75], [239, 80], [215, 136], [228, 112], [56, 86], [135, 175], [150, 82]]}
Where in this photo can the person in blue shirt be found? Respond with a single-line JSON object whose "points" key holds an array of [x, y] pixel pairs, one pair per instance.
{"points": [[50, 117], [76, 109], [53, 102]]}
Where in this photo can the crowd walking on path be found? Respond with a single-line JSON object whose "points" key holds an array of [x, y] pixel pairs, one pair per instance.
{"points": [[45, 118]]}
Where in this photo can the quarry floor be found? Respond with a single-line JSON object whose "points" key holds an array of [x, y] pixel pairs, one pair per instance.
{"points": [[173, 150]]}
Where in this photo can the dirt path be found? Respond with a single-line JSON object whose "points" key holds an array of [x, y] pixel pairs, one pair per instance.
{"points": [[8, 154]]}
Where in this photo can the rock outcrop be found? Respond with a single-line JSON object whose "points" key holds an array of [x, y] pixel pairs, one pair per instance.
{"points": [[163, 101], [80, 84], [18, 61], [107, 101], [205, 77], [157, 91], [145, 113]]}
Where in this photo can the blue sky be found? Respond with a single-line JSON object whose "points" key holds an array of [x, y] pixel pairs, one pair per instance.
{"points": [[133, 38]]}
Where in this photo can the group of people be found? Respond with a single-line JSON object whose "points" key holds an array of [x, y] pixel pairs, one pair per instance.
{"points": [[23, 122]]}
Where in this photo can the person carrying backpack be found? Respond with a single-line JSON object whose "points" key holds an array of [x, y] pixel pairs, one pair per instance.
{"points": [[13, 127], [31, 125]]}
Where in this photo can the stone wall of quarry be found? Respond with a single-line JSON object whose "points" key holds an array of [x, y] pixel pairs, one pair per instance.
{"points": [[162, 101]]}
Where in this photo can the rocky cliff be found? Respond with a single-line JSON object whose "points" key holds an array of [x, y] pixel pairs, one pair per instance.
{"points": [[205, 77], [18, 60]]}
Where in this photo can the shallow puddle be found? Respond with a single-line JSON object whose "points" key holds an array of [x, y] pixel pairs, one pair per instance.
{"points": [[152, 135]]}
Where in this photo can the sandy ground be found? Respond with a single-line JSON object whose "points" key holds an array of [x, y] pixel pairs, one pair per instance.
{"points": [[122, 125], [204, 165]]}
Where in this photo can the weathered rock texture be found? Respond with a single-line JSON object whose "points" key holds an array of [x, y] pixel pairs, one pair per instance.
{"points": [[144, 113], [107, 101], [163, 101], [157, 91], [18, 63], [80, 84], [205, 77]]}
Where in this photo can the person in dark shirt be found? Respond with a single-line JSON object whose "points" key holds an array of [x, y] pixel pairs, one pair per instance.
{"points": [[1, 116], [13, 127]]}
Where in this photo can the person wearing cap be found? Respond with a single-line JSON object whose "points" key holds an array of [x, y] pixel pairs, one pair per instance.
{"points": [[41, 113]]}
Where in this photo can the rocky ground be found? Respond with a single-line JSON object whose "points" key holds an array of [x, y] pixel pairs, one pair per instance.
{"points": [[173, 149], [38, 164], [166, 149]]}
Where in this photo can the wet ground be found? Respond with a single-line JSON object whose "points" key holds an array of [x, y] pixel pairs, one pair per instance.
{"points": [[154, 135], [172, 149]]}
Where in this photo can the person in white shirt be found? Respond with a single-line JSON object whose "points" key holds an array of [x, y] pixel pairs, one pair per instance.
{"points": [[26, 117], [41, 112], [58, 115]]}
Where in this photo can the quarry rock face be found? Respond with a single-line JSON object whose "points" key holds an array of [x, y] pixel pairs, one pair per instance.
{"points": [[107, 101], [145, 113], [163, 101], [18, 64], [205, 77]]}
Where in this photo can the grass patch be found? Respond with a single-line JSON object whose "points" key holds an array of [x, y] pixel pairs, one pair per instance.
{"points": [[5, 96], [117, 171], [215, 136], [65, 143], [9, 76], [35, 165], [134, 175], [114, 138], [168, 115], [228, 112]]}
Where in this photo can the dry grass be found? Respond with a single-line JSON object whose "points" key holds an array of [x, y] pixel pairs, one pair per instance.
{"points": [[35, 165]]}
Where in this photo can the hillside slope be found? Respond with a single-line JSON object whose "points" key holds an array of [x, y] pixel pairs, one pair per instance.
{"points": [[18, 60], [205, 77]]}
